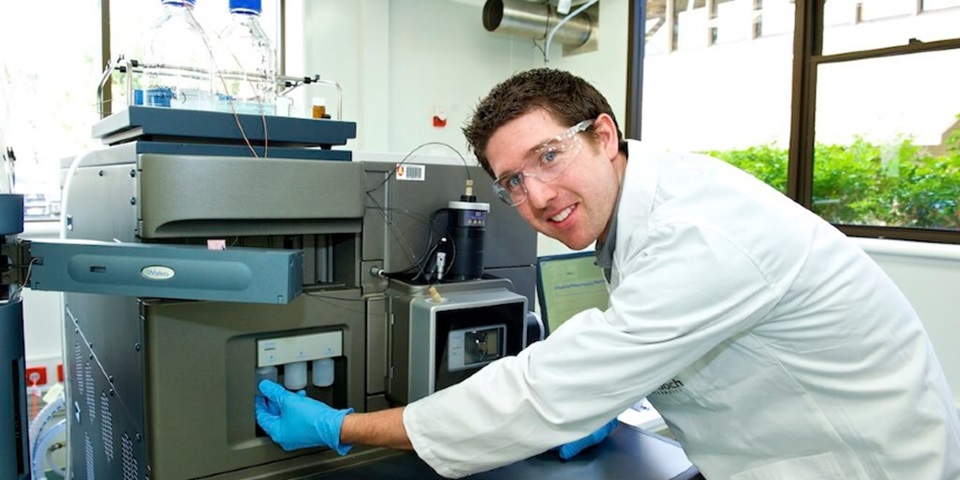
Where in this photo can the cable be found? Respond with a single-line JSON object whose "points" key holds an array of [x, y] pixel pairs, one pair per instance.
{"points": [[17, 292], [466, 167], [553, 31], [53, 464], [419, 264], [538, 47], [393, 228], [44, 442], [223, 82]]}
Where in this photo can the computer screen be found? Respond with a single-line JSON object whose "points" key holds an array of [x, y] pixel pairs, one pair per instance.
{"points": [[568, 284]]}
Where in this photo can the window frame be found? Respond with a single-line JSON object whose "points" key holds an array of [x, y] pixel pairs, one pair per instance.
{"points": [[807, 58]]}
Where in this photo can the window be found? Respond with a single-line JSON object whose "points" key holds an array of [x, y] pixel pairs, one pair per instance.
{"points": [[691, 24], [732, 21], [931, 5], [773, 17], [48, 83], [873, 142], [886, 133], [730, 99], [852, 25], [888, 151], [47, 92]]}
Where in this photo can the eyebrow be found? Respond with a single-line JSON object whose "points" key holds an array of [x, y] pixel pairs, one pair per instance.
{"points": [[531, 152], [544, 144]]}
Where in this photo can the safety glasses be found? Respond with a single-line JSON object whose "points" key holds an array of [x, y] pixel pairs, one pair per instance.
{"points": [[552, 158]]}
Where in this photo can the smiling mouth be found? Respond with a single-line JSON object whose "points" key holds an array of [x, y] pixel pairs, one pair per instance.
{"points": [[562, 215]]}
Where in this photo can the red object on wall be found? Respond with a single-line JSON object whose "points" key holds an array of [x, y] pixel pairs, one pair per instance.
{"points": [[439, 122], [36, 375]]}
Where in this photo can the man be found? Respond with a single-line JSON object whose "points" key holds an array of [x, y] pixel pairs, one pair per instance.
{"points": [[771, 344]]}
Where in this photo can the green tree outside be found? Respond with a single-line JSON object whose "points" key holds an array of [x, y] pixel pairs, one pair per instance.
{"points": [[898, 184]]}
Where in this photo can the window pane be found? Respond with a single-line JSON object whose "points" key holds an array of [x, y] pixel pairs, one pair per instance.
{"points": [[853, 25], [732, 21], [929, 5], [47, 92], [658, 32], [730, 100], [774, 17], [888, 141], [692, 20]]}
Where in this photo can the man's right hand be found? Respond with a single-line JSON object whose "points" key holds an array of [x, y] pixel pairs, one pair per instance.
{"points": [[295, 421]]}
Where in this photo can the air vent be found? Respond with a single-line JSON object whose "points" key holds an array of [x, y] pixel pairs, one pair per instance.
{"points": [[78, 365], [88, 447], [106, 426], [91, 392], [129, 461]]}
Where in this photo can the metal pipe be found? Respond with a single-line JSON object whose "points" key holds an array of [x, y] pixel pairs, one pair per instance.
{"points": [[534, 20], [556, 28]]}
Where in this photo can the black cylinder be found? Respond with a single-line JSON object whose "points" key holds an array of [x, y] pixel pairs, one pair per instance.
{"points": [[467, 227]]}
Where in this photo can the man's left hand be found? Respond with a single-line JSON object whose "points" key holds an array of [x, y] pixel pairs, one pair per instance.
{"points": [[569, 450]]}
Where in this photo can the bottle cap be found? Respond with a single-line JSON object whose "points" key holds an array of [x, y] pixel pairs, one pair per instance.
{"points": [[245, 6]]}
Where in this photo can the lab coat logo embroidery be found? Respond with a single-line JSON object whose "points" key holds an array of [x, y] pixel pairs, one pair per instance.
{"points": [[671, 387]]}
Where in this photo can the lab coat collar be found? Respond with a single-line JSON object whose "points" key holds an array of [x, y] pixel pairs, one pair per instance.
{"points": [[637, 193]]}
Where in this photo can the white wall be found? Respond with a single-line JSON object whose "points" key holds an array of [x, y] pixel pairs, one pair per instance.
{"points": [[929, 275], [400, 61]]}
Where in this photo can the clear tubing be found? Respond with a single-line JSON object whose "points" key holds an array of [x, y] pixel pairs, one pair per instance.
{"points": [[40, 421], [43, 444]]}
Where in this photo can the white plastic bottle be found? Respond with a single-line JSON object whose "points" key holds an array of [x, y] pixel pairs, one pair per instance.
{"points": [[177, 61], [322, 374], [246, 63], [295, 375]]}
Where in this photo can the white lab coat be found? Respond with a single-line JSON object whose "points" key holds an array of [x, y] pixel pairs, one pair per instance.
{"points": [[773, 346]]}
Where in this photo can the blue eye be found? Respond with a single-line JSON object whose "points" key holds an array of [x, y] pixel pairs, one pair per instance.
{"points": [[513, 182], [548, 156]]}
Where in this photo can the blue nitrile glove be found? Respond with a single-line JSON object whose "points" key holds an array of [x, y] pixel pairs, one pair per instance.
{"points": [[569, 450], [294, 420]]}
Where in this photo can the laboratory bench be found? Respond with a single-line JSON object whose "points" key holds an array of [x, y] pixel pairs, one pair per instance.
{"points": [[627, 453]]}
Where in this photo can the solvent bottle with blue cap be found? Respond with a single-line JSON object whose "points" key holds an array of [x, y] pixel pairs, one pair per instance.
{"points": [[177, 60], [246, 63]]}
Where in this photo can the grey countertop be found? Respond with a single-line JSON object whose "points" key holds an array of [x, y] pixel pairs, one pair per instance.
{"points": [[628, 453]]}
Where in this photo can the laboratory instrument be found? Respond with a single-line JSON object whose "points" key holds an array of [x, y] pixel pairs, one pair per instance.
{"points": [[166, 339]]}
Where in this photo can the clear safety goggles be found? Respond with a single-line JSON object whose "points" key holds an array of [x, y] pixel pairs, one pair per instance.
{"points": [[552, 158]]}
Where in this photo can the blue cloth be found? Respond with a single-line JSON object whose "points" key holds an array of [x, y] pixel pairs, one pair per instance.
{"points": [[296, 421], [569, 450]]}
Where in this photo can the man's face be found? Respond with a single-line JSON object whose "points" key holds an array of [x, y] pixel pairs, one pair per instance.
{"points": [[575, 207]]}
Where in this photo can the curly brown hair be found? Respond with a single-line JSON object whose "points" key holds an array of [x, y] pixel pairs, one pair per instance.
{"points": [[568, 98]]}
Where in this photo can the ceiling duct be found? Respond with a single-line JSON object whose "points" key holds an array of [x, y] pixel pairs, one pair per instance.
{"points": [[535, 20]]}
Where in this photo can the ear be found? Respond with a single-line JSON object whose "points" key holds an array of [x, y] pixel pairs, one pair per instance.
{"points": [[606, 131]]}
